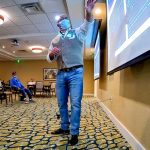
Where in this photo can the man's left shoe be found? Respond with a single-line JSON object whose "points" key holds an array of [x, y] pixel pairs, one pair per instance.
{"points": [[60, 131], [74, 140]]}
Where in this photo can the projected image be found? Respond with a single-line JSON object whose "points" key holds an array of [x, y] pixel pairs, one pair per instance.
{"points": [[97, 58], [128, 23], [110, 2]]}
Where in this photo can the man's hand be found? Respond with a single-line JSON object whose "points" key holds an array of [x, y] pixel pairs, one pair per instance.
{"points": [[54, 52], [90, 6]]}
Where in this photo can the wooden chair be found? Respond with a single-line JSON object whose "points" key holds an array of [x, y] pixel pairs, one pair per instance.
{"points": [[39, 87], [16, 92], [2, 95], [47, 90], [53, 88], [6, 94]]}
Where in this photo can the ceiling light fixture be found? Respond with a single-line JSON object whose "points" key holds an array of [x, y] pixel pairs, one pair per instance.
{"points": [[98, 11], [5, 15], [1, 19], [3, 46], [37, 50], [57, 18]]}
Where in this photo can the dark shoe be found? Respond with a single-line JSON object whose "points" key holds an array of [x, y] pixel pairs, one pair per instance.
{"points": [[60, 131], [73, 140]]}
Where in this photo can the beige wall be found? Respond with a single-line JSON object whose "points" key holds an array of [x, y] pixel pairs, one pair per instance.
{"points": [[130, 92], [34, 69]]}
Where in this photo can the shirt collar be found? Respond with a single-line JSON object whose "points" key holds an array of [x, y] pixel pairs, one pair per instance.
{"points": [[65, 34]]}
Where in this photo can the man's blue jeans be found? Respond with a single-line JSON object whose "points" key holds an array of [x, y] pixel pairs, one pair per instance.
{"points": [[24, 91], [70, 82]]}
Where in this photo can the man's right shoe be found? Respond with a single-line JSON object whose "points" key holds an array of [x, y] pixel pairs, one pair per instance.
{"points": [[60, 131], [26, 101], [74, 140]]}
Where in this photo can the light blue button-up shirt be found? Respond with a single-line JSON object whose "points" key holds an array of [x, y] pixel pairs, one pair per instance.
{"points": [[71, 46]]}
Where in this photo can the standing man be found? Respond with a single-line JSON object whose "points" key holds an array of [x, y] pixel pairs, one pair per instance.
{"points": [[17, 85], [67, 49]]}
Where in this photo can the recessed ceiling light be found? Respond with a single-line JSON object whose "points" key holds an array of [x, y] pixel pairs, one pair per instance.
{"points": [[36, 46], [4, 15], [98, 11], [57, 18], [37, 50], [3, 46], [1, 19]]}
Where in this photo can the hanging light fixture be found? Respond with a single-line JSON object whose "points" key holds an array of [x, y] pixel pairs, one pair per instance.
{"points": [[37, 50], [1, 19]]}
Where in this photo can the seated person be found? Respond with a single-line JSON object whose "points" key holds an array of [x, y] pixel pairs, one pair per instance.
{"points": [[31, 86], [1, 83], [31, 82], [1, 86], [16, 84]]}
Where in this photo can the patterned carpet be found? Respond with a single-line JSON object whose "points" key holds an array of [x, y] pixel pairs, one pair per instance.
{"points": [[28, 127]]}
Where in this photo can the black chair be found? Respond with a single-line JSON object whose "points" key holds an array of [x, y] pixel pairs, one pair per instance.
{"points": [[2, 95]]}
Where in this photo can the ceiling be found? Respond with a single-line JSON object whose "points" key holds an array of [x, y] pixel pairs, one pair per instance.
{"points": [[34, 29]]}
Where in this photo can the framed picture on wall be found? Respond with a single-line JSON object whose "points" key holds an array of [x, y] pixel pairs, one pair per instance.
{"points": [[49, 74]]}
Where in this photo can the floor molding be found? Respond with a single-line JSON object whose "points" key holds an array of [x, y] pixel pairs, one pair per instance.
{"points": [[88, 94], [136, 145]]}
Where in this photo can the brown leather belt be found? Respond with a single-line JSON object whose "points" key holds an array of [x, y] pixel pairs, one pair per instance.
{"points": [[71, 68]]}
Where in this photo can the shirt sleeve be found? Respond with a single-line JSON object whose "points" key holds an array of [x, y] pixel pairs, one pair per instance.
{"points": [[12, 83], [21, 85], [82, 31]]}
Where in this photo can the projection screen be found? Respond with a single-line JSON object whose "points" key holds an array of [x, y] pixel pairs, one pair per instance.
{"points": [[128, 24]]}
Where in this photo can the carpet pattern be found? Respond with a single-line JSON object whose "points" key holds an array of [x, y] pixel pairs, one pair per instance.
{"points": [[29, 126]]}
